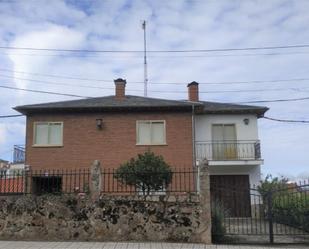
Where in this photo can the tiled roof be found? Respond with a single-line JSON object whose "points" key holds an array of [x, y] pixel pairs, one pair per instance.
{"points": [[132, 103]]}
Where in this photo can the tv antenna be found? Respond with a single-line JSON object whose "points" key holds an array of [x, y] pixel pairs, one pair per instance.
{"points": [[145, 60]]}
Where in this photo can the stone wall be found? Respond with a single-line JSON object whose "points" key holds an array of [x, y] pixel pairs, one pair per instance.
{"points": [[108, 218]]}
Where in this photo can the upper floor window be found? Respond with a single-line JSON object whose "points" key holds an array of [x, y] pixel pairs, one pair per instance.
{"points": [[150, 132], [48, 133], [224, 145], [223, 132]]}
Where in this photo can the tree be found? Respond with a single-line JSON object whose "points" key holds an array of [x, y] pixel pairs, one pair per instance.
{"points": [[148, 172], [271, 184]]}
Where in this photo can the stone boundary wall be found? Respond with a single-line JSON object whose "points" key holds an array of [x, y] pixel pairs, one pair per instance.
{"points": [[96, 217], [107, 218]]}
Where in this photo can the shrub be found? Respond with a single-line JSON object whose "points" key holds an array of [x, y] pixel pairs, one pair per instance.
{"points": [[148, 172], [270, 184], [218, 230], [289, 206], [292, 209]]}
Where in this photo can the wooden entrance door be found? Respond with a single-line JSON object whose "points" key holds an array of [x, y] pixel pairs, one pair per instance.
{"points": [[233, 193]]}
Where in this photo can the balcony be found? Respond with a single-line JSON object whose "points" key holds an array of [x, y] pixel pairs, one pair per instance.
{"points": [[231, 150]]}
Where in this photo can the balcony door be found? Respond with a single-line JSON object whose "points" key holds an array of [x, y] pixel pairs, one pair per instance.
{"points": [[224, 146]]}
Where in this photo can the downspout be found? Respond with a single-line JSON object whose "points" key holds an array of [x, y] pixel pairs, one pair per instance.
{"points": [[195, 169], [193, 137]]}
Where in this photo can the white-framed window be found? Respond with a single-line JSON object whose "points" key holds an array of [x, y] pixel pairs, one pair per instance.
{"points": [[48, 134], [150, 132]]}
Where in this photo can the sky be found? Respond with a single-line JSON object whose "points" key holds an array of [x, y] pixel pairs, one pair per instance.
{"points": [[171, 25]]}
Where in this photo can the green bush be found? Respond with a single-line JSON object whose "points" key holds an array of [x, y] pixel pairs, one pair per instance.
{"points": [[218, 230], [148, 173], [292, 209], [289, 206], [271, 184]]}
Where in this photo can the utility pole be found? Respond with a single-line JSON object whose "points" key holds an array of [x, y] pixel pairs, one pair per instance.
{"points": [[145, 60]]}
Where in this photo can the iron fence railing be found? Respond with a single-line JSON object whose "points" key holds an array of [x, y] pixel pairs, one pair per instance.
{"points": [[79, 181], [228, 150], [256, 215]]}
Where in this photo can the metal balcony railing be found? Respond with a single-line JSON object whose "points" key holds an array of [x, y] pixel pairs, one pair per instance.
{"points": [[19, 154], [228, 150]]}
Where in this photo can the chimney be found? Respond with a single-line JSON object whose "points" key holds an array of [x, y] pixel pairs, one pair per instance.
{"points": [[120, 85], [193, 91]]}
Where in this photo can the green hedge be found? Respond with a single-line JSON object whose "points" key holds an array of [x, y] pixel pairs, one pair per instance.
{"points": [[292, 209]]}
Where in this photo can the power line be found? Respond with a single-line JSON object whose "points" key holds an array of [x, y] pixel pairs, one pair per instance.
{"points": [[158, 56], [161, 83], [47, 92], [236, 91], [65, 77], [55, 83], [287, 120], [274, 100], [156, 51], [11, 116], [159, 91], [236, 82]]}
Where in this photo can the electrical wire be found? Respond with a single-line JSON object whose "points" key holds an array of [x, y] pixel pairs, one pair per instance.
{"points": [[158, 91], [162, 83], [47, 92], [55, 83], [57, 76], [274, 100], [156, 56], [156, 51], [287, 120]]}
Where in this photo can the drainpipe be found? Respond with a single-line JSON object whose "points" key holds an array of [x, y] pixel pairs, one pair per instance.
{"points": [[196, 177], [193, 137]]}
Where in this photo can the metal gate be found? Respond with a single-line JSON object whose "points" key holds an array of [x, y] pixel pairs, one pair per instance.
{"points": [[277, 216]]}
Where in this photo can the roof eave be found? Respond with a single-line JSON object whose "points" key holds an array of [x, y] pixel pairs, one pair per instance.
{"points": [[28, 111], [258, 112]]}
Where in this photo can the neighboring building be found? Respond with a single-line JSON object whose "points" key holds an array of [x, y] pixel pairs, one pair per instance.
{"points": [[3, 163], [15, 169], [3, 167], [72, 134]]}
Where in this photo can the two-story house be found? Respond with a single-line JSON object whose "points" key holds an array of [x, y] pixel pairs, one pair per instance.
{"points": [[112, 129]]}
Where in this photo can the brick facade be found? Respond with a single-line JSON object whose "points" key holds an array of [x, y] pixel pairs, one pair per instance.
{"points": [[114, 144]]}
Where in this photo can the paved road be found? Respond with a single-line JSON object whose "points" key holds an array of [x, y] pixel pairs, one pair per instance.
{"points": [[110, 245]]}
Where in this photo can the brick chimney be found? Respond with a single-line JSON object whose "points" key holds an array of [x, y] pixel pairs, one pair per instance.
{"points": [[193, 91], [120, 86]]}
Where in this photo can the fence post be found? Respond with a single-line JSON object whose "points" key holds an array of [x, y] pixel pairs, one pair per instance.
{"points": [[95, 179], [270, 216], [204, 193]]}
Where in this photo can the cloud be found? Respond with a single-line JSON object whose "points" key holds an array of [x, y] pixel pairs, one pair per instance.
{"points": [[2, 134], [51, 37], [171, 25]]}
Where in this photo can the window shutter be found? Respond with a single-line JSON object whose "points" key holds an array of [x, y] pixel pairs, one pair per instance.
{"points": [[55, 133], [144, 134], [41, 134], [158, 133]]}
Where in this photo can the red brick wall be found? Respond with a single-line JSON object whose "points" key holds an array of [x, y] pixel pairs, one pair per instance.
{"points": [[114, 144]]}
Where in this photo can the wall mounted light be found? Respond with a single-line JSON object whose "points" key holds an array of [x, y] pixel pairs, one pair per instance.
{"points": [[246, 121], [99, 123]]}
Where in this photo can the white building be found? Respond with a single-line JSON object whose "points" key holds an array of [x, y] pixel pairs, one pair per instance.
{"points": [[226, 135]]}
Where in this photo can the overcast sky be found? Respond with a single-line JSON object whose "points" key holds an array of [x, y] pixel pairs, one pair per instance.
{"points": [[171, 25]]}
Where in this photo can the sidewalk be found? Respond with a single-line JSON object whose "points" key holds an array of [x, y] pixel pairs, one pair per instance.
{"points": [[124, 245]]}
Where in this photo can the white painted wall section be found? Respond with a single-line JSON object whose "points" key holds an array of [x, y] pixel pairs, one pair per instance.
{"points": [[254, 172], [203, 124]]}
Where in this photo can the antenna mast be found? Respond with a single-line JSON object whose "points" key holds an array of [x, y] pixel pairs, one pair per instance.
{"points": [[145, 60]]}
